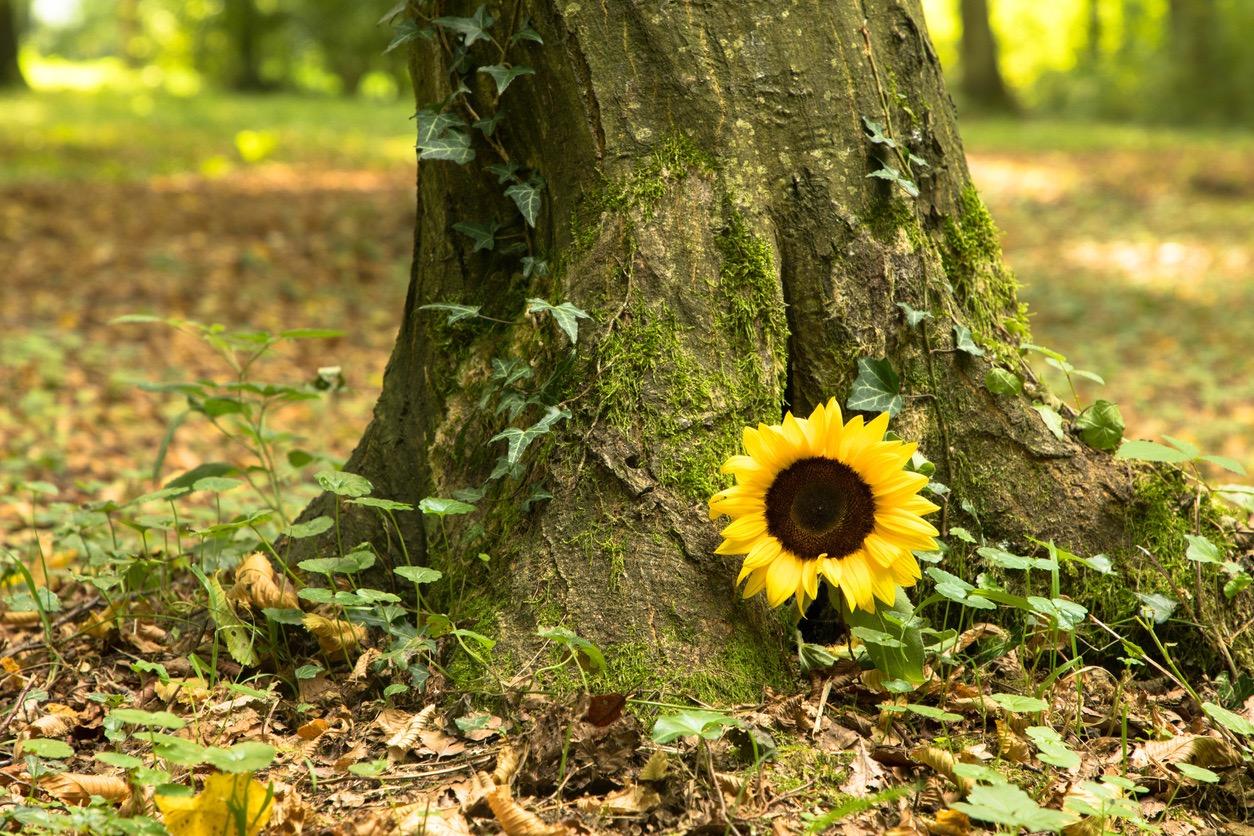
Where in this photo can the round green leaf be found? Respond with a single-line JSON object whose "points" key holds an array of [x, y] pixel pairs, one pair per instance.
{"points": [[343, 483], [46, 748]]}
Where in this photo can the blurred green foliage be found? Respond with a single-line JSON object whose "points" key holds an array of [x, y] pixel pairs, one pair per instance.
{"points": [[325, 46], [1158, 60]]}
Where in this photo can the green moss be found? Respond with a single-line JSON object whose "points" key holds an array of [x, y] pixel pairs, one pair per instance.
{"points": [[673, 159], [752, 305], [972, 259], [800, 765], [889, 215]]}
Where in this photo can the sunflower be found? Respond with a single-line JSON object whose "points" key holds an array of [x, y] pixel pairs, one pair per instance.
{"points": [[818, 497]]}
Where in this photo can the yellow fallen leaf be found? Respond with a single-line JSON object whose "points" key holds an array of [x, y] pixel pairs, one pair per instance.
{"points": [[257, 583], [74, 788], [335, 636], [231, 804]]}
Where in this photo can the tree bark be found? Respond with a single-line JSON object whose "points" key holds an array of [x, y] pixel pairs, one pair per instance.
{"points": [[708, 202], [10, 41], [981, 82], [243, 23]]}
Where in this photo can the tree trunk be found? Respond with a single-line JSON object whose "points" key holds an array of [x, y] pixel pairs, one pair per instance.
{"points": [[243, 26], [981, 82], [708, 201], [10, 70]]}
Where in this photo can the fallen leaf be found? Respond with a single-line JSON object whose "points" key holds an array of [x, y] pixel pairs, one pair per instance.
{"points": [[232, 803], [257, 584], [517, 821], [629, 801], [336, 637], [73, 788], [865, 774], [312, 730]]}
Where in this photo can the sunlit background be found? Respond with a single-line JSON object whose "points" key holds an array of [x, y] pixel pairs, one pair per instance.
{"points": [[250, 162]]}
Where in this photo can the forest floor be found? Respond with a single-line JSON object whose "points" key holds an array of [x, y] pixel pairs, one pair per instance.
{"points": [[1136, 251]]}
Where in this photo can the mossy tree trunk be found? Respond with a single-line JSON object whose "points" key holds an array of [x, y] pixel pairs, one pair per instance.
{"points": [[10, 40], [707, 200], [981, 81]]}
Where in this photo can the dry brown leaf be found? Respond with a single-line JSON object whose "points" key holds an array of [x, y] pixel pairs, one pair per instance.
{"points": [[103, 623], [517, 821], [655, 767], [1186, 748], [335, 636], [950, 823], [629, 801], [1010, 746], [189, 691], [507, 761], [74, 788], [20, 619], [942, 763], [51, 725], [257, 584], [865, 774], [407, 736], [312, 730], [440, 744]]}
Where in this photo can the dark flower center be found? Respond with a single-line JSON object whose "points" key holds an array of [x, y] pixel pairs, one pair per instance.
{"points": [[819, 506]]}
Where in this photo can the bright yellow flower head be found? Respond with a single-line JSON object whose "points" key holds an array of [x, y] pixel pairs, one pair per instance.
{"points": [[818, 497]]}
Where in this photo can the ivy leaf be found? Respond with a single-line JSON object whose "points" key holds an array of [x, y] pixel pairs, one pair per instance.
{"points": [[1157, 607], [472, 29], [456, 313], [963, 341], [527, 198], [888, 172], [1101, 426], [440, 137], [488, 124], [504, 76], [709, 725], [875, 133], [531, 264], [566, 316], [1053, 421], [484, 235], [437, 507], [999, 381], [526, 33], [408, 30], [913, 317], [876, 389], [1150, 451], [519, 439], [505, 171]]}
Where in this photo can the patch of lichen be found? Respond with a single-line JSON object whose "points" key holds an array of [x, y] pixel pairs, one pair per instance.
{"points": [[972, 260]]}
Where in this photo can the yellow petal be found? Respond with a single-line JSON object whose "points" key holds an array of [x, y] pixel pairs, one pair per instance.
{"points": [[900, 522], [830, 568], [905, 570], [917, 505], [783, 577], [903, 483], [741, 465], [857, 581], [756, 583], [810, 578], [874, 431], [764, 551], [881, 551], [795, 433], [850, 440], [816, 430], [743, 528], [736, 546]]}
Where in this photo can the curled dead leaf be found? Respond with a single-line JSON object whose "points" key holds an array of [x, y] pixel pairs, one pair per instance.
{"points": [[74, 788], [517, 821], [507, 761], [257, 584], [335, 636], [188, 691], [942, 763], [407, 736], [20, 619], [629, 801], [1198, 750], [655, 767], [103, 623], [1010, 746]]}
